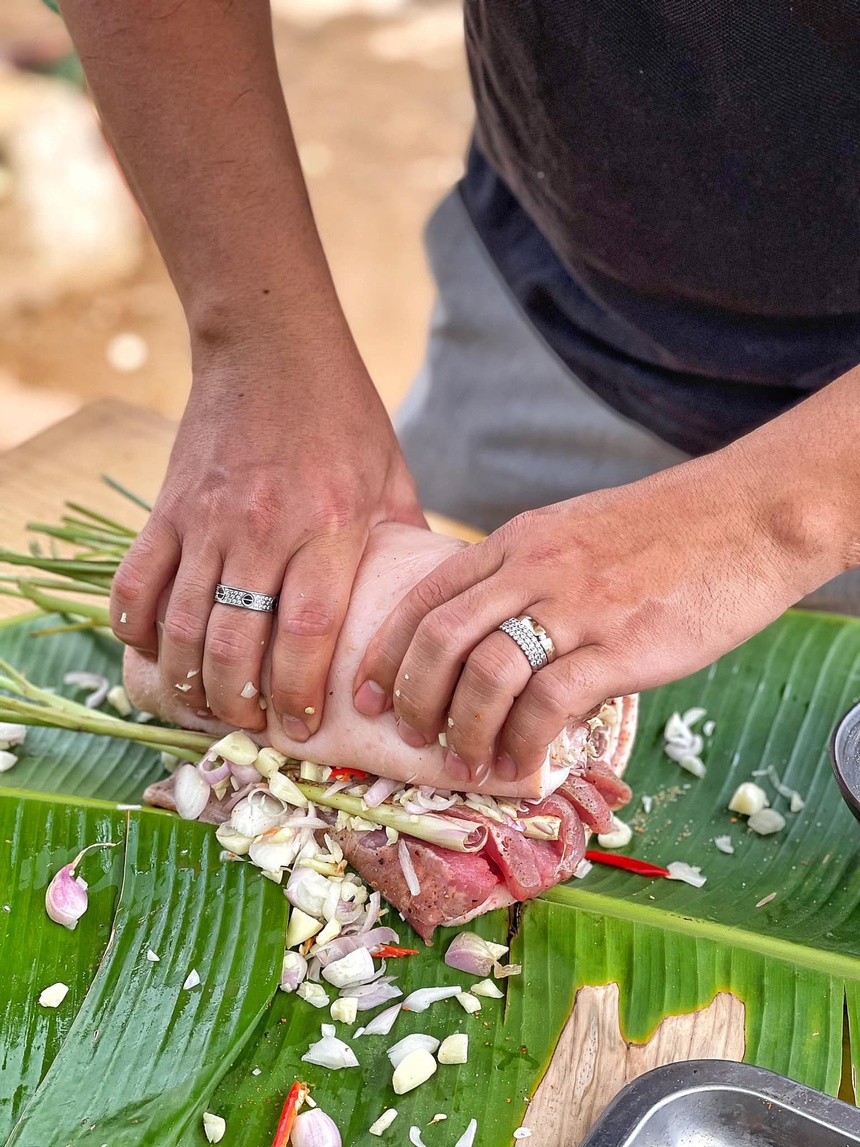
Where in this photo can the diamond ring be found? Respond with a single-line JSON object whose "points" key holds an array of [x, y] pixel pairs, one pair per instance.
{"points": [[246, 599], [532, 639]]}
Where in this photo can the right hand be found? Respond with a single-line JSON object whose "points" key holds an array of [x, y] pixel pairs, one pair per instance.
{"points": [[268, 489]]}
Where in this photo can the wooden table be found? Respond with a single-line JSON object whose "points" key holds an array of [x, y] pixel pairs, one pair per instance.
{"points": [[592, 1061]]}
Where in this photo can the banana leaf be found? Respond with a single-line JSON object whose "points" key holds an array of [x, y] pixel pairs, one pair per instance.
{"points": [[131, 1057]]}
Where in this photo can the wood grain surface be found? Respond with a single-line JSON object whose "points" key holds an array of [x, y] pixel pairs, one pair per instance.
{"points": [[592, 1061]]}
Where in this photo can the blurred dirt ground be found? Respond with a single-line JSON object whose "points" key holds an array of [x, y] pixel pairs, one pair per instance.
{"points": [[379, 98]]}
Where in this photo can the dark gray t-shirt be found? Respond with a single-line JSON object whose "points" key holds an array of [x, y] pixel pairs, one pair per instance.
{"points": [[672, 190]]}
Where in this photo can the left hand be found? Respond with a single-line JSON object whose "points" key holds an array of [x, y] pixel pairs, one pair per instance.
{"points": [[636, 586]]}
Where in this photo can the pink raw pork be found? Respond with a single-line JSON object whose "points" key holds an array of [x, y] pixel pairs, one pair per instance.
{"points": [[456, 887], [396, 559], [507, 866]]}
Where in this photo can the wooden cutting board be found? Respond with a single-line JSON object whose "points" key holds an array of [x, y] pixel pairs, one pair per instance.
{"points": [[592, 1061]]}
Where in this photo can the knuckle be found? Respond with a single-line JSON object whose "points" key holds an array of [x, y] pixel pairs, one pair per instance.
{"points": [[310, 617], [183, 630], [550, 695], [131, 587], [228, 649], [440, 631], [491, 668], [429, 594]]}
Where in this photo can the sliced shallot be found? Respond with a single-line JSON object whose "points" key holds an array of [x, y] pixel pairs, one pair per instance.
{"points": [[191, 792]]}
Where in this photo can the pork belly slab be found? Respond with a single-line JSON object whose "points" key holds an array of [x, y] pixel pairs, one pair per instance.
{"points": [[396, 559], [455, 887]]}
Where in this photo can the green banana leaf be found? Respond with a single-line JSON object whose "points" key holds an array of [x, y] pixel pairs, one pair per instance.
{"points": [[131, 1057]]}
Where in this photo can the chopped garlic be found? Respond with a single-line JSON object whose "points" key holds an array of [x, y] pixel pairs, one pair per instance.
{"points": [[7, 761], [287, 790], [620, 836], [383, 1122], [440, 1118], [312, 993], [443, 740], [522, 1133], [331, 930], [213, 1127], [583, 868], [708, 728], [191, 980], [468, 1002], [182, 688], [53, 996], [249, 690], [688, 873], [345, 1010], [748, 799], [798, 804], [237, 748], [454, 1049], [415, 1069], [301, 927], [766, 821], [309, 771], [647, 803], [693, 764], [724, 844], [153, 957], [487, 988], [257, 1071], [392, 835], [268, 761], [118, 697]]}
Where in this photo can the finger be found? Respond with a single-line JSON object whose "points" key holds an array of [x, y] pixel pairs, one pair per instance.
{"points": [[145, 571], [313, 604], [555, 695], [492, 679], [495, 674], [183, 635], [236, 640], [444, 641], [387, 648]]}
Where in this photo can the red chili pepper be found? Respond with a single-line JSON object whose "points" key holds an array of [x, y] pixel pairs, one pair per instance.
{"points": [[388, 951], [628, 863], [348, 773], [295, 1099]]}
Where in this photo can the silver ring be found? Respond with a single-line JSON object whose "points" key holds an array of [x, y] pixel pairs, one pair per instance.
{"points": [[532, 638], [246, 599]]}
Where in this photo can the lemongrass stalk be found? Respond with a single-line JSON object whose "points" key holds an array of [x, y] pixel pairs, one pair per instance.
{"points": [[459, 836], [68, 586], [96, 516], [72, 627], [178, 742], [74, 534], [68, 566], [52, 604], [138, 501]]}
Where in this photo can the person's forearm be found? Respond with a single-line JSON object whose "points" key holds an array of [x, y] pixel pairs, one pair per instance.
{"points": [[803, 470], [190, 98]]}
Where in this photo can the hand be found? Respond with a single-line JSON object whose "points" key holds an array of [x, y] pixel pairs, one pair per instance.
{"points": [[269, 491], [636, 585]]}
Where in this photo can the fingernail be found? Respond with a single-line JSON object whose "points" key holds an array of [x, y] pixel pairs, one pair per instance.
{"points": [[506, 768], [411, 736], [371, 699], [457, 768], [296, 730]]}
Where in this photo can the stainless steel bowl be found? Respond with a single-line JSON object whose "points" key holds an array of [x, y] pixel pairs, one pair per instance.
{"points": [[717, 1103]]}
